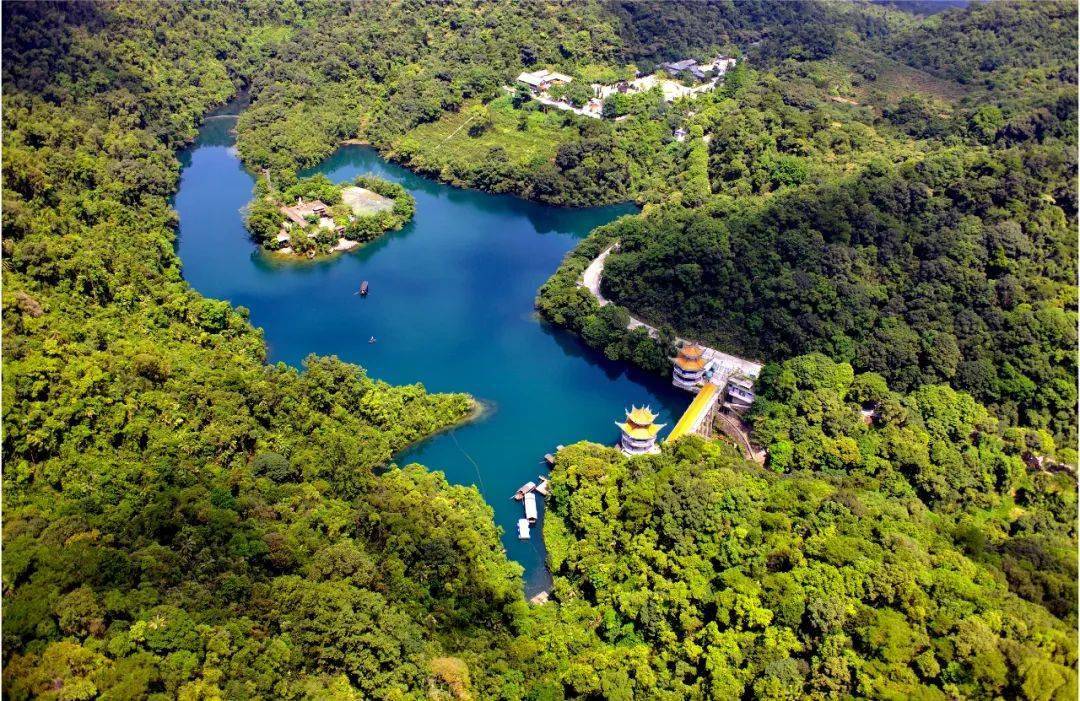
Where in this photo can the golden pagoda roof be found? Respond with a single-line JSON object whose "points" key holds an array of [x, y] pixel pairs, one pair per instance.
{"points": [[640, 432], [691, 351], [640, 416], [690, 365]]}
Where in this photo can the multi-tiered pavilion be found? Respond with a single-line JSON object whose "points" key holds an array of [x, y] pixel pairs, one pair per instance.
{"points": [[688, 368], [639, 432]]}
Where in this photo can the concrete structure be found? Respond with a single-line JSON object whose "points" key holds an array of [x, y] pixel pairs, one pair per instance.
{"points": [[716, 68], [719, 369], [740, 392], [721, 65], [639, 432], [696, 417], [677, 67], [592, 109]]}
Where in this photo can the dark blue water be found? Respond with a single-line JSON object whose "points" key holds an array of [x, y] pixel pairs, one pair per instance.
{"points": [[451, 305]]}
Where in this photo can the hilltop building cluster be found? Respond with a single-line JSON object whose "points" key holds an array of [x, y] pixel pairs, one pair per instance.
{"points": [[720, 382], [676, 80], [714, 69]]}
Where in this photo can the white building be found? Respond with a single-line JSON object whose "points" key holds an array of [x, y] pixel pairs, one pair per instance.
{"points": [[540, 81]]}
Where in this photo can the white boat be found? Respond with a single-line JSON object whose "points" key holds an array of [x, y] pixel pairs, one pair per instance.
{"points": [[523, 529]]}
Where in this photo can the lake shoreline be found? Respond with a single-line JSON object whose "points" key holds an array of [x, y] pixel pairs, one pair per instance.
{"points": [[452, 306]]}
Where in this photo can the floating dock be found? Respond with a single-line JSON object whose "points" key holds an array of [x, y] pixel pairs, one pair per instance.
{"points": [[530, 507], [523, 529], [543, 488]]}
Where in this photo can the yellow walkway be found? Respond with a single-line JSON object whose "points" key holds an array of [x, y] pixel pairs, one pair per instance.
{"points": [[701, 405]]}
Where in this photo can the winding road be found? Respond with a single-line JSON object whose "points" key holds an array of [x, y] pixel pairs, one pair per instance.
{"points": [[727, 364]]}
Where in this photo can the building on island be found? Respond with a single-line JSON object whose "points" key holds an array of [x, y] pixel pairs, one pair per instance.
{"points": [[639, 432], [540, 81], [299, 213], [688, 367]]}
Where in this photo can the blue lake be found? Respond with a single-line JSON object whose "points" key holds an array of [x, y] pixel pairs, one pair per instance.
{"points": [[451, 306]]}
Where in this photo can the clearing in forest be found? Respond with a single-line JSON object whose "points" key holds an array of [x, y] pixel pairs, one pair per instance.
{"points": [[453, 138], [364, 202], [895, 80]]}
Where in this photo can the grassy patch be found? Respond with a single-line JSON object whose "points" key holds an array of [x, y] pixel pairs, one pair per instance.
{"points": [[449, 141], [893, 80]]}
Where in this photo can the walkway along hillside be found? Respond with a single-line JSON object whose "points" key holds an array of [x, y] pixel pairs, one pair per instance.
{"points": [[702, 412]]}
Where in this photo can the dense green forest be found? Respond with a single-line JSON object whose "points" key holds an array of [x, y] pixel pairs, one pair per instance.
{"points": [[179, 517], [705, 577], [959, 268], [182, 520]]}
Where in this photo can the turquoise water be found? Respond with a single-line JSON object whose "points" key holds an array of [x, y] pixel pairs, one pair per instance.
{"points": [[451, 305]]}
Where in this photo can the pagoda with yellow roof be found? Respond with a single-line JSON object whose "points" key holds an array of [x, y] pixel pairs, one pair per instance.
{"points": [[688, 368], [639, 432]]}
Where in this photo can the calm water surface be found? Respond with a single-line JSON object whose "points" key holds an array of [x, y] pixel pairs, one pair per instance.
{"points": [[451, 305]]}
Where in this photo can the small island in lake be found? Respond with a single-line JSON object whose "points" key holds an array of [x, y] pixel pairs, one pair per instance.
{"points": [[314, 216]]}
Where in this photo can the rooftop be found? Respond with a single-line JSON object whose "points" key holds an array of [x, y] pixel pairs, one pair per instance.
{"points": [[681, 65], [640, 416], [640, 432], [538, 78], [691, 351], [302, 210], [690, 364]]}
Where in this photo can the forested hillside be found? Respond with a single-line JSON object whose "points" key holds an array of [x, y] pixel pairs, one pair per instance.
{"points": [[955, 268], [929, 237], [182, 520], [704, 577], [179, 517]]}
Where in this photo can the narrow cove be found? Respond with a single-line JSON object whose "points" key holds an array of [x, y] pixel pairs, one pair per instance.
{"points": [[451, 306]]}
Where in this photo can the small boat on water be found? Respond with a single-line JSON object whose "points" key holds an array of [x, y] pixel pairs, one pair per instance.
{"points": [[523, 490], [363, 288], [549, 458], [523, 529], [543, 489]]}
